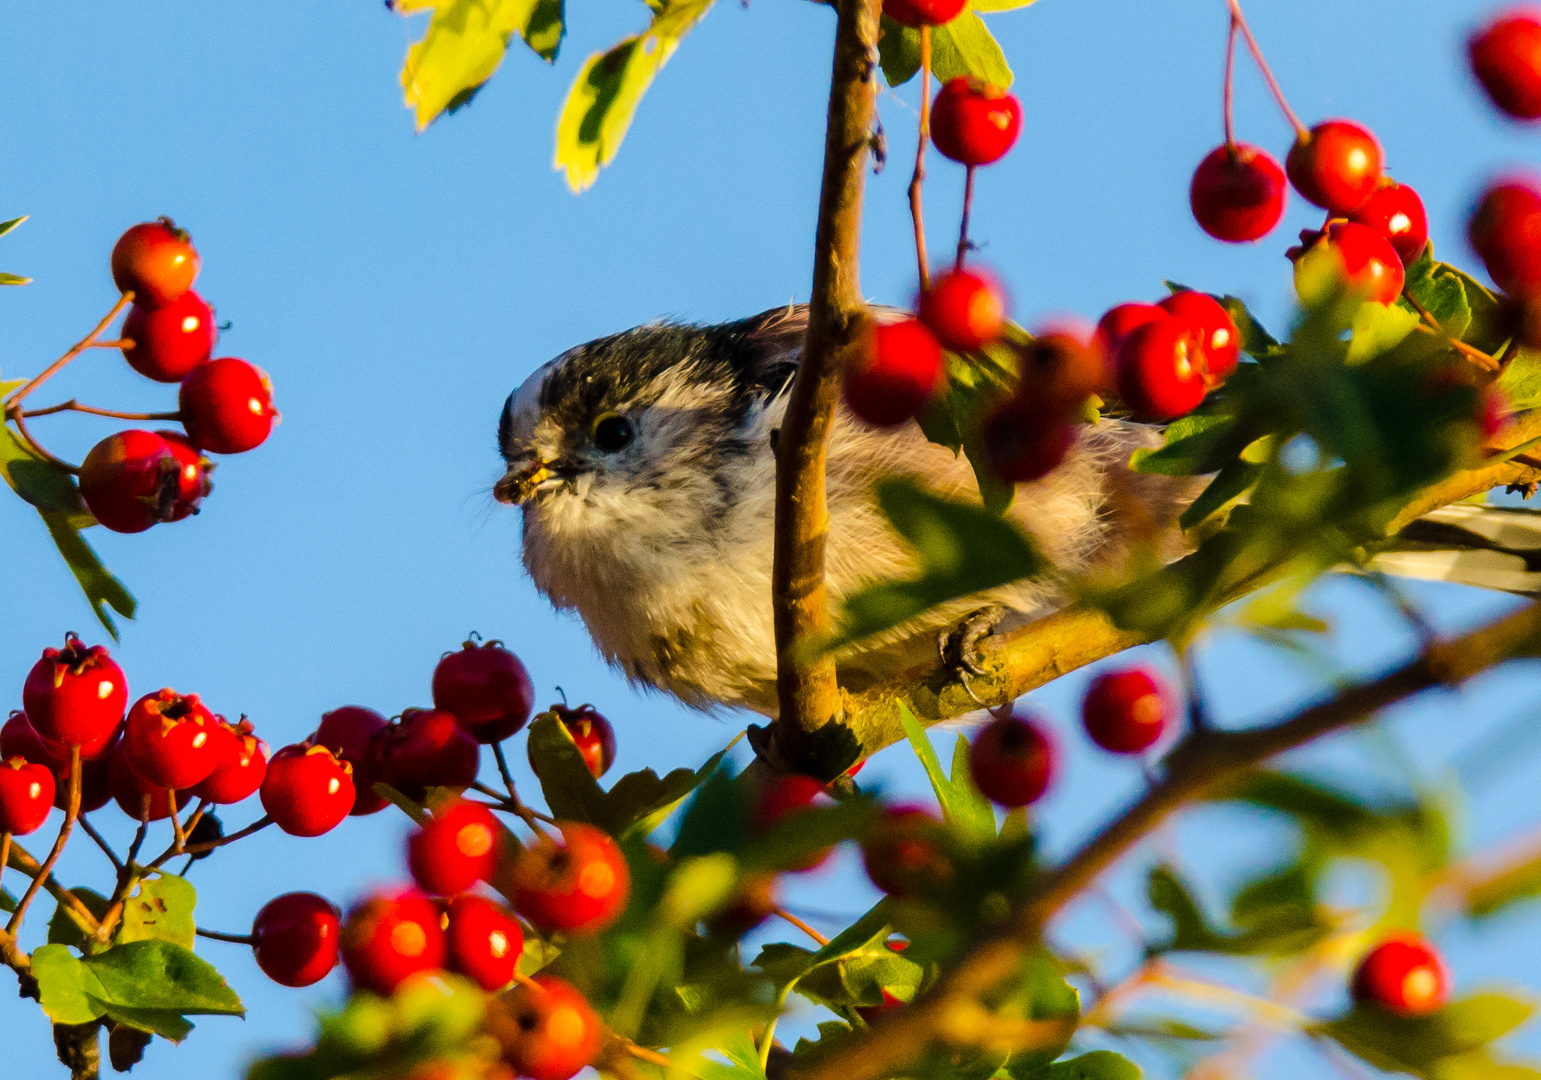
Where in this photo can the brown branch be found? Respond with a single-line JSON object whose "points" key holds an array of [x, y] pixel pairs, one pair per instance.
{"points": [[1202, 763], [19, 859], [45, 872], [13, 403], [74, 406], [918, 178], [808, 695]]}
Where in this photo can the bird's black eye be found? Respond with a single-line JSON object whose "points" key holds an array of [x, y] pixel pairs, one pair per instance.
{"points": [[612, 433]]}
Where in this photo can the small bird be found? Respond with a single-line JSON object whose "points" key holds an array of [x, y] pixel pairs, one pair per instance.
{"points": [[644, 464]]}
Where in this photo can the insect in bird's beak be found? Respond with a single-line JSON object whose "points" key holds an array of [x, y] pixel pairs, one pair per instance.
{"points": [[519, 487]]}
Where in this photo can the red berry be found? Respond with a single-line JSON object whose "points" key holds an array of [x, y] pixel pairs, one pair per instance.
{"points": [[1125, 711], [193, 472], [592, 734], [351, 733], [308, 790], [1238, 193], [486, 689], [1161, 369], [785, 797], [1217, 332], [1337, 166], [918, 13], [17, 739], [1117, 323], [1025, 440], [1011, 760], [243, 763], [227, 406], [171, 740], [455, 849], [973, 122], [95, 781], [295, 938], [891, 1001], [578, 885], [1404, 975], [390, 937], [904, 854], [131, 481], [169, 341], [965, 309], [1396, 212], [1506, 231], [75, 696], [1506, 58], [484, 941], [427, 748], [135, 795], [1061, 367], [26, 795], [1363, 257], [155, 261], [900, 370], [546, 1029]]}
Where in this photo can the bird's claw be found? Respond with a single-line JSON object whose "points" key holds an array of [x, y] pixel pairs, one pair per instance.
{"points": [[959, 646]]}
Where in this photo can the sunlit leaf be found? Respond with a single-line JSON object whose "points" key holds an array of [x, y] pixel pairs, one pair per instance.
{"points": [[464, 44], [101, 588], [962, 47], [160, 909]]}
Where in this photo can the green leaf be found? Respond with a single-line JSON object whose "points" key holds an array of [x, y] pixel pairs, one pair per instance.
{"points": [[1379, 328], [1229, 484], [465, 43], [962, 47], [604, 97], [962, 803], [161, 975], [166, 1023], [39, 481], [962, 549], [62, 981], [101, 588], [161, 909], [1447, 1045], [7, 901], [1198, 443], [1097, 1065], [14, 279], [1044, 995], [7, 226], [62, 928]]}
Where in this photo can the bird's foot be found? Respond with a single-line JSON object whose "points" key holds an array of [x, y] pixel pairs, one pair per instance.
{"points": [[959, 646]]}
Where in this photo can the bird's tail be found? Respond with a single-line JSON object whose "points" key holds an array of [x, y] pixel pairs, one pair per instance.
{"points": [[1490, 547]]}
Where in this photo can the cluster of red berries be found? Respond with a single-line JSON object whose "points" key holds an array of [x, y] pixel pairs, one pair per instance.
{"points": [[135, 479], [1164, 357]]}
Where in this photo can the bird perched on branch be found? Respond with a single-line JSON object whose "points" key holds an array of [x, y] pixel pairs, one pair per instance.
{"points": [[645, 466]]}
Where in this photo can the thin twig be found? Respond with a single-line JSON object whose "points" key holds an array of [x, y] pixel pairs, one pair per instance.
{"points": [[1273, 84], [234, 939], [968, 206], [5, 852], [210, 845], [19, 859], [918, 179], [40, 449], [79, 347], [508, 777], [115, 343], [71, 812], [74, 406], [101, 842], [1431, 325], [784, 914], [1228, 94]]}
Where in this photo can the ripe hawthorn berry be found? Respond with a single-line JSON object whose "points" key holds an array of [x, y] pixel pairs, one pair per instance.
{"points": [[1011, 760], [1404, 975], [918, 13], [136, 796], [427, 748], [1364, 259], [351, 733], [546, 1029], [171, 739], [17, 739], [131, 481], [95, 781], [1238, 193], [486, 688], [193, 475], [75, 696], [1336, 165], [1396, 212], [295, 938], [242, 763], [965, 309], [591, 733], [1061, 367], [26, 795], [1125, 711], [1118, 322], [169, 341], [1217, 332], [1025, 440], [227, 406], [484, 941], [904, 851], [973, 122], [1505, 230], [307, 790], [785, 797], [1506, 58], [1161, 369], [391, 937], [899, 372], [454, 849], [578, 884], [155, 261]]}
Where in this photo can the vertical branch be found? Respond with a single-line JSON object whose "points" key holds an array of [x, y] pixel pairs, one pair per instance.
{"points": [[968, 208], [807, 692], [918, 180], [71, 812]]}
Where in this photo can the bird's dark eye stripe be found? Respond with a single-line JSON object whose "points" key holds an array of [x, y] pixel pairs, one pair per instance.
{"points": [[611, 433]]}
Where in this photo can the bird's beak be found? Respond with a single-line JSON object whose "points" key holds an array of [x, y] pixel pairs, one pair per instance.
{"points": [[519, 486]]}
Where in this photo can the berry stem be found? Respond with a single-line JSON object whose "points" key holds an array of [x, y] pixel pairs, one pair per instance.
{"points": [[918, 180], [1198, 715], [101, 842], [70, 815], [180, 837], [200, 849], [74, 406], [79, 347], [1301, 131], [968, 206], [114, 343], [39, 449], [234, 939], [784, 914], [1431, 325], [1228, 95], [508, 777]]}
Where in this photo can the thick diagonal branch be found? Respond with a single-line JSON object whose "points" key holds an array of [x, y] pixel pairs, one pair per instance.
{"points": [[807, 691]]}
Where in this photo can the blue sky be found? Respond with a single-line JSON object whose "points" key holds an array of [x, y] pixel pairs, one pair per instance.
{"points": [[397, 288]]}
